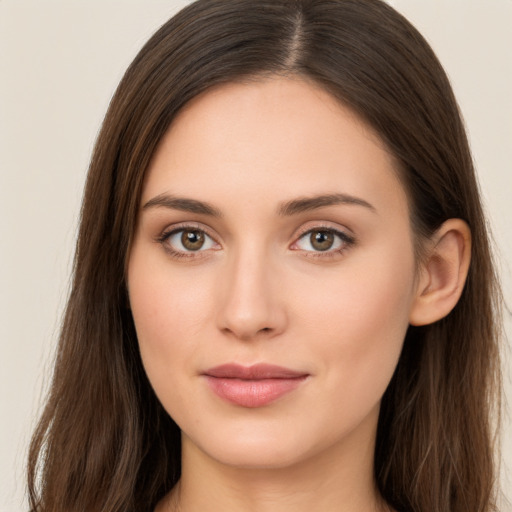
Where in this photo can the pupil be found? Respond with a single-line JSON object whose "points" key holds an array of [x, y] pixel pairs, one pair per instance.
{"points": [[192, 240], [322, 240]]}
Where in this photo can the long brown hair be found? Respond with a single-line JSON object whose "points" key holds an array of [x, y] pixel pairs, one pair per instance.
{"points": [[104, 442]]}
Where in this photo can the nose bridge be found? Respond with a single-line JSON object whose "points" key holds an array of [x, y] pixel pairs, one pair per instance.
{"points": [[250, 305]]}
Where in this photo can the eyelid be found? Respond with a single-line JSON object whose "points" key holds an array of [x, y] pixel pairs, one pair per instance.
{"points": [[344, 234], [181, 226], [171, 230], [323, 225]]}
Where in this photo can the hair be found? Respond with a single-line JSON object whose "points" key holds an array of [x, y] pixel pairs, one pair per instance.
{"points": [[104, 442]]}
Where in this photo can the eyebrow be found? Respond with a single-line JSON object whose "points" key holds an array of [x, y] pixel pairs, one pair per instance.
{"points": [[286, 209], [183, 204], [313, 203]]}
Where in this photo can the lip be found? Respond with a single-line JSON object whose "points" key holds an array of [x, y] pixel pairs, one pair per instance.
{"points": [[252, 386]]}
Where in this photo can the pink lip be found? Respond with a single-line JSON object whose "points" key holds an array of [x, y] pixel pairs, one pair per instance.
{"points": [[252, 386]]}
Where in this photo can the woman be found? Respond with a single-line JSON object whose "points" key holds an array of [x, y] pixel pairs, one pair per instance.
{"points": [[283, 295]]}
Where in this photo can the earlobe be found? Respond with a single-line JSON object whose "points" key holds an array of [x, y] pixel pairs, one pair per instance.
{"points": [[443, 274]]}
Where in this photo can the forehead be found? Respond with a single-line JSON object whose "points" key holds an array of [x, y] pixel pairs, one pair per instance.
{"points": [[271, 138]]}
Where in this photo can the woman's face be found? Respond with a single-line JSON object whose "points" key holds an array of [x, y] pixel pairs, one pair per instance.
{"points": [[271, 276]]}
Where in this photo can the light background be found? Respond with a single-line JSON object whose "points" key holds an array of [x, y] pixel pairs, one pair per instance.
{"points": [[60, 62]]}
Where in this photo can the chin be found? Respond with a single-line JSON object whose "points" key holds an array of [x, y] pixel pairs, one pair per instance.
{"points": [[268, 445], [256, 455], [253, 446]]}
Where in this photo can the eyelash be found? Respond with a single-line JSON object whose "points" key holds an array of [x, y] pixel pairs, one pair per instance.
{"points": [[347, 241], [164, 238]]}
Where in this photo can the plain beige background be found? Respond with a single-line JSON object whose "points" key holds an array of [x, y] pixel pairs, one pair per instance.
{"points": [[60, 62]]}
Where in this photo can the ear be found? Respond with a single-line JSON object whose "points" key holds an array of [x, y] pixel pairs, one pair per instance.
{"points": [[443, 273]]}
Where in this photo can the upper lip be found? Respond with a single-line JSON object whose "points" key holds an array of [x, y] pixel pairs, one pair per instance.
{"points": [[255, 372]]}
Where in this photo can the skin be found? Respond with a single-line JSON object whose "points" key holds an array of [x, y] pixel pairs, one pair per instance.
{"points": [[259, 291]]}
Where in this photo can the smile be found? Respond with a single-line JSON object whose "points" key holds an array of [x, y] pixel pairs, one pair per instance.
{"points": [[254, 386]]}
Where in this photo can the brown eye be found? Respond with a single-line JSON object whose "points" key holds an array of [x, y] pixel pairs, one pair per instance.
{"points": [[188, 240], [192, 240], [321, 240]]}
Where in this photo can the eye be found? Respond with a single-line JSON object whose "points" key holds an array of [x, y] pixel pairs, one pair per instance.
{"points": [[187, 240], [323, 240]]}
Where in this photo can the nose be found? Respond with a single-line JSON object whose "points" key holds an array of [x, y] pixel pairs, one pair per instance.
{"points": [[251, 304]]}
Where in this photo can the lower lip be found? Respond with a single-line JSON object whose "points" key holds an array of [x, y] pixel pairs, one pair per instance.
{"points": [[252, 393]]}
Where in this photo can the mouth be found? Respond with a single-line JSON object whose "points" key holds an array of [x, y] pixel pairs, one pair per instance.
{"points": [[253, 386]]}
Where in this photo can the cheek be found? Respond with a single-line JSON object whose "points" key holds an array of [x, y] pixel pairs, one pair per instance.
{"points": [[358, 321], [163, 313], [166, 302], [169, 314]]}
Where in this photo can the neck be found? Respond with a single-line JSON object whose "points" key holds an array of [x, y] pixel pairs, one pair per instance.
{"points": [[340, 479]]}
